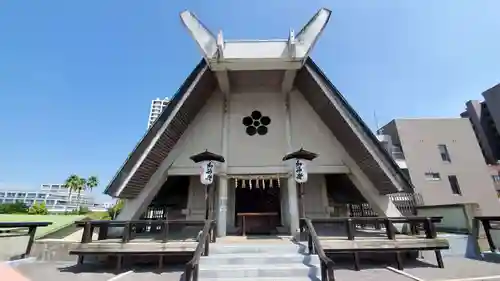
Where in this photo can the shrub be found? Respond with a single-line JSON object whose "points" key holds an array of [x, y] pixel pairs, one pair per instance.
{"points": [[13, 208], [83, 210], [38, 209], [114, 211]]}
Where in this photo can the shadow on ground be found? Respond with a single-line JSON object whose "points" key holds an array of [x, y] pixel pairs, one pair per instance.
{"points": [[53, 271]]}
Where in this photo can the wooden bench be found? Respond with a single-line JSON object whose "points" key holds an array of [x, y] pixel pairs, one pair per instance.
{"points": [[392, 242], [489, 223], [13, 227], [154, 244]]}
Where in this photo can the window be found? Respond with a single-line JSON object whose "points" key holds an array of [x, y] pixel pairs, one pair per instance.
{"points": [[445, 156], [455, 188], [432, 176]]}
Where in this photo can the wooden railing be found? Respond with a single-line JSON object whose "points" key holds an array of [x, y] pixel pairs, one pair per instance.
{"points": [[489, 223], [131, 228], [15, 227], [192, 267], [314, 247], [414, 229]]}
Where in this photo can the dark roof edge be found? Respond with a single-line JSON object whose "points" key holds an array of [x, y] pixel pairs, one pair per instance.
{"points": [[143, 144], [364, 127]]}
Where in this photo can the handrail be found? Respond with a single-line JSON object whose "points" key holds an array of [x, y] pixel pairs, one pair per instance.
{"points": [[192, 267], [314, 246]]}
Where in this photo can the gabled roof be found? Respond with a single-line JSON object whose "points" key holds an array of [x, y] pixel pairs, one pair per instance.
{"points": [[161, 138]]}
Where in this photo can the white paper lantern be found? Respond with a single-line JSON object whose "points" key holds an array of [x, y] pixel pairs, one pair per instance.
{"points": [[300, 170], [207, 172]]}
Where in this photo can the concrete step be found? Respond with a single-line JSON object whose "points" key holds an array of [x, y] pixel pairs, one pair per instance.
{"points": [[257, 248], [268, 270], [259, 259]]}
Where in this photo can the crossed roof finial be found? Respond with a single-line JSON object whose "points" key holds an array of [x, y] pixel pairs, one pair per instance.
{"points": [[290, 53]]}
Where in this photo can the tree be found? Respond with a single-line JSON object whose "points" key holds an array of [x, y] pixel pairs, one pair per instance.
{"points": [[78, 184], [92, 182]]}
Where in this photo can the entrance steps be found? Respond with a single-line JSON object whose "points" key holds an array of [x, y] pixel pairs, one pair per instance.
{"points": [[276, 259]]}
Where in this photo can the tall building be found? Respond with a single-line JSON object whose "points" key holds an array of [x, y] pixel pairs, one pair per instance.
{"points": [[485, 119], [157, 107], [444, 161]]}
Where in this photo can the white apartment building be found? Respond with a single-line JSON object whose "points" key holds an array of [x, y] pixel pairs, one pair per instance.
{"points": [[157, 106], [57, 198]]}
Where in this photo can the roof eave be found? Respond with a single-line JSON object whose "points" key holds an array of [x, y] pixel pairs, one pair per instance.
{"points": [[123, 174]]}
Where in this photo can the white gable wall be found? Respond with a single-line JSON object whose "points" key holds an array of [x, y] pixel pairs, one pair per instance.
{"points": [[256, 151], [309, 132], [259, 154]]}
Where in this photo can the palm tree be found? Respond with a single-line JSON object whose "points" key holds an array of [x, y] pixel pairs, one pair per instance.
{"points": [[91, 182], [75, 183], [78, 184]]}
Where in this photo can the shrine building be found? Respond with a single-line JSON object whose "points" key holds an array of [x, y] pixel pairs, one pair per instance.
{"points": [[252, 104]]}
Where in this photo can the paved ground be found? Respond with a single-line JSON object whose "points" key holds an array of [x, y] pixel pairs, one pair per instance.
{"points": [[455, 268], [173, 274], [54, 271]]}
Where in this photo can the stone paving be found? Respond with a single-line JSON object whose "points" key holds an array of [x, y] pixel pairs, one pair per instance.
{"points": [[62, 271], [455, 268]]}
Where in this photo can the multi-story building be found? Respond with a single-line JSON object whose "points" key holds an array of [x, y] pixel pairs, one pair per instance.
{"points": [[157, 107], [485, 119], [444, 161], [57, 198]]}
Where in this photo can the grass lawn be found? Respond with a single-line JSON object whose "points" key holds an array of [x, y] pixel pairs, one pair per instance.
{"points": [[58, 221]]}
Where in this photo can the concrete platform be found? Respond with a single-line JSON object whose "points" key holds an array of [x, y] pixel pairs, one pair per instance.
{"points": [[456, 268]]}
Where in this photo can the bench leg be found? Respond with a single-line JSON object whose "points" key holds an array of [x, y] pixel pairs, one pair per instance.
{"points": [[439, 259], [399, 261], [160, 262], [119, 261], [80, 259], [356, 261]]}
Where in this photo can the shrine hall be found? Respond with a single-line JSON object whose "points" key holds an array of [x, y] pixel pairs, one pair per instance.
{"points": [[255, 138]]}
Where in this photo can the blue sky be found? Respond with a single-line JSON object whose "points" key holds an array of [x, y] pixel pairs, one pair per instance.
{"points": [[77, 77]]}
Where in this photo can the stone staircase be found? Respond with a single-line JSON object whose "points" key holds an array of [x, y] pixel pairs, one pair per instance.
{"points": [[259, 260]]}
